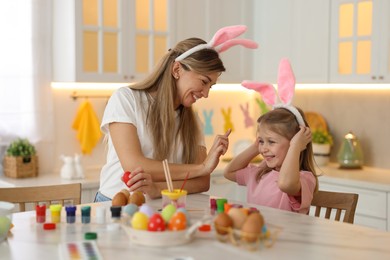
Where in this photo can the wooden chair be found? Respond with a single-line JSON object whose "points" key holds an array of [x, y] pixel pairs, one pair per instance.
{"points": [[338, 201], [52, 194]]}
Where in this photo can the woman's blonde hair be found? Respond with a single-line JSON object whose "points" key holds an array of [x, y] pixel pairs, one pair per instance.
{"points": [[161, 115], [284, 123]]}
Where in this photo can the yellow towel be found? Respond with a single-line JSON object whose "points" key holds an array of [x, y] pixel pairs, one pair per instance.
{"points": [[87, 126]]}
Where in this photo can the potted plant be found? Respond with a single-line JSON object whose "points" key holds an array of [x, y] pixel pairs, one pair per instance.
{"points": [[20, 160], [322, 142]]}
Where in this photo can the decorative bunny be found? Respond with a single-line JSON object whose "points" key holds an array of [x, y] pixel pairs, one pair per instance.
{"points": [[79, 171], [286, 87], [208, 127], [228, 119], [263, 107], [222, 40], [68, 169], [248, 120]]}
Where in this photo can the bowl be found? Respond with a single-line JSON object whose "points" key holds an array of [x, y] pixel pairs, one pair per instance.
{"points": [[164, 238], [6, 210]]}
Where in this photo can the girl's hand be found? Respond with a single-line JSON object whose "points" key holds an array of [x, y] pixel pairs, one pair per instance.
{"points": [[220, 146], [302, 138], [142, 181]]}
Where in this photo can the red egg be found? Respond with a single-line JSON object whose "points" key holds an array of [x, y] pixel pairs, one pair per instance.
{"points": [[178, 221], [156, 223], [126, 177]]}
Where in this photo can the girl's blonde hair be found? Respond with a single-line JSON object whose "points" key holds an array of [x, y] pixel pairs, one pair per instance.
{"points": [[160, 113], [284, 123]]}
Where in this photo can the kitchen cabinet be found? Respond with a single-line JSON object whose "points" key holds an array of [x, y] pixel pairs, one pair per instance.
{"points": [[373, 187], [216, 14], [297, 30], [108, 41], [360, 41]]}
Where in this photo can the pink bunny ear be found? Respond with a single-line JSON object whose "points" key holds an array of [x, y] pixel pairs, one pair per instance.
{"points": [[226, 33], [230, 43], [267, 91], [286, 82]]}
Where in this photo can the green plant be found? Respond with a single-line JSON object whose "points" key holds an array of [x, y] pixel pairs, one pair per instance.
{"points": [[322, 137], [21, 147]]}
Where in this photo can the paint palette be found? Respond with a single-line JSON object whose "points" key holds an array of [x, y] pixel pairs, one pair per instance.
{"points": [[80, 250]]}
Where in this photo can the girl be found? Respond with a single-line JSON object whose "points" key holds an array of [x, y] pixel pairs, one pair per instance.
{"points": [[286, 178]]}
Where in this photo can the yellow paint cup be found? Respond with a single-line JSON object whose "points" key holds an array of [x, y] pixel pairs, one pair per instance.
{"points": [[177, 198], [55, 210]]}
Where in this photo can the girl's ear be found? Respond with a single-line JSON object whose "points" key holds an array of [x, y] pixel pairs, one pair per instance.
{"points": [[176, 67]]}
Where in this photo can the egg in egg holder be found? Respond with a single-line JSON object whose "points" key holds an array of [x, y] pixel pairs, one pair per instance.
{"points": [[6, 210], [250, 235]]}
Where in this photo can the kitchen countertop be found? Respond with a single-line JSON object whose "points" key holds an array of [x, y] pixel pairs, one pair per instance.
{"points": [[367, 177], [298, 236], [90, 181]]}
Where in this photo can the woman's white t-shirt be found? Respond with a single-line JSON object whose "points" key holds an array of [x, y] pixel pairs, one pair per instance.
{"points": [[129, 106]]}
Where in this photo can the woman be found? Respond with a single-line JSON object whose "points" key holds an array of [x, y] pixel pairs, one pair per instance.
{"points": [[153, 120]]}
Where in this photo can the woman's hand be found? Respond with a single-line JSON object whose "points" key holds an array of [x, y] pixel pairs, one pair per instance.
{"points": [[142, 181], [220, 146]]}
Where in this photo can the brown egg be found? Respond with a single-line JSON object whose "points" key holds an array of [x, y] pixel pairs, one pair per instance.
{"points": [[119, 199], [251, 229], [137, 198], [238, 216], [126, 192], [223, 222]]}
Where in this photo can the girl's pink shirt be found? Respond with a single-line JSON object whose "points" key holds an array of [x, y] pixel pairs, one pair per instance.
{"points": [[267, 193]]}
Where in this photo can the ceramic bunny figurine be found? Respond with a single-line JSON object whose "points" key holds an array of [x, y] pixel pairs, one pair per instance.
{"points": [[79, 173], [68, 169], [208, 127], [248, 120], [228, 119]]}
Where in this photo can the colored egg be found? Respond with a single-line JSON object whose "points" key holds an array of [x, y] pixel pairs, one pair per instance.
{"points": [[140, 221], [177, 222], [148, 210], [5, 225], [185, 213], [156, 223], [168, 212], [130, 209], [238, 216]]}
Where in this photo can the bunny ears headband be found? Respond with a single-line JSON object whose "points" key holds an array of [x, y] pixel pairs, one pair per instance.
{"points": [[222, 40], [286, 87]]}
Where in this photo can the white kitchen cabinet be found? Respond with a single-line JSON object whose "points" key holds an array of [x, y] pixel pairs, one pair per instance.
{"points": [[360, 41], [202, 18], [108, 41], [297, 30], [372, 206]]}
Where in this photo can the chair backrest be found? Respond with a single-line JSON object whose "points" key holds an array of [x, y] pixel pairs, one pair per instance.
{"points": [[338, 201], [52, 194]]}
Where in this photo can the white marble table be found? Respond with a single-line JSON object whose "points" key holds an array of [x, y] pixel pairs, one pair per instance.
{"points": [[301, 237]]}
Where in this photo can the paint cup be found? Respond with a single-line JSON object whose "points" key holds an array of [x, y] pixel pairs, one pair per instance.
{"points": [[70, 214], [55, 211], [177, 198], [86, 214], [40, 212]]}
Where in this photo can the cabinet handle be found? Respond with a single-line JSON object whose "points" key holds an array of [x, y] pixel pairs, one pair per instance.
{"points": [[381, 77], [373, 77]]}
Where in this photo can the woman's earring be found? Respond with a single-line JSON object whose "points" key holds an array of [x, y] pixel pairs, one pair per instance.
{"points": [[176, 76]]}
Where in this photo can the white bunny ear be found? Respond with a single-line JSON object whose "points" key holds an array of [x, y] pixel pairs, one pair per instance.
{"points": [[286, 82], [266, 90]]}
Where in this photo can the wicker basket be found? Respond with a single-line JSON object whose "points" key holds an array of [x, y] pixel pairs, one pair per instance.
{"points": [[14, 167]]}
